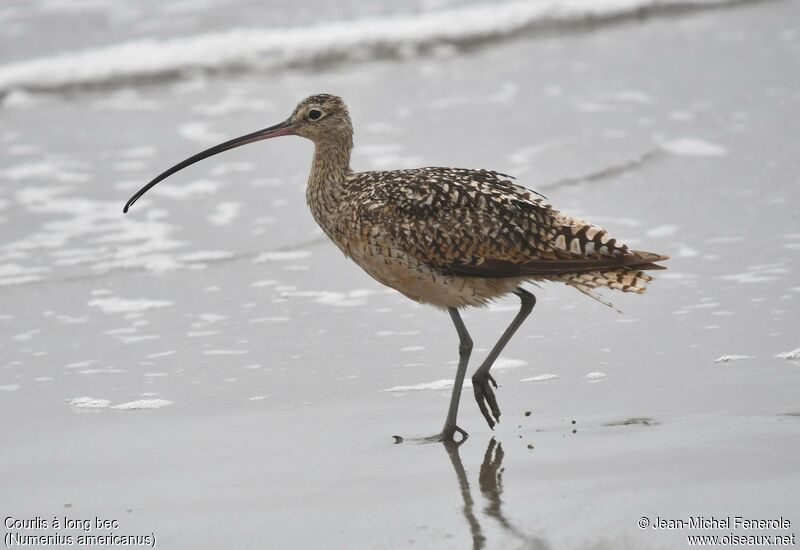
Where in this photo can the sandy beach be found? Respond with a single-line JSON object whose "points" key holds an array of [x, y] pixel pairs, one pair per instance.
{"points": [[210, 371]]}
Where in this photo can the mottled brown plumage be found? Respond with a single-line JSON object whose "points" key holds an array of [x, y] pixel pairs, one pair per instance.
{"points": [[448, 237], [453, 237]]}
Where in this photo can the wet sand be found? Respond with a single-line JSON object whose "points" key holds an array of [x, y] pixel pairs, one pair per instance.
{"points": [[256, 356]]}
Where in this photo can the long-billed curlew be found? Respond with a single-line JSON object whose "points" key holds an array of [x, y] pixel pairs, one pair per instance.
{"points": [[449, 237]]}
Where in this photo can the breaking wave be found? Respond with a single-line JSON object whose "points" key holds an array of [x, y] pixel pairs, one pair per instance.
{"points": [[303, 46]]}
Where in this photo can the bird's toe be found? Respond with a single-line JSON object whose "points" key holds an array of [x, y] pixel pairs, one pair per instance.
{"points": [[487, 402], [482, 406]]}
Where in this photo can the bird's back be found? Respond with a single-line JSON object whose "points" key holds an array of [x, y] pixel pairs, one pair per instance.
{"points": [[462, 227]]}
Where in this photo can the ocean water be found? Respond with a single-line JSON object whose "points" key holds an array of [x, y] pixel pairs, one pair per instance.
{"points": [[151, 41], [211, 352]]}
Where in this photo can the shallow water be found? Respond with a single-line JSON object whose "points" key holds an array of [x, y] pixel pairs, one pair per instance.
{"points": [[210, 369]]}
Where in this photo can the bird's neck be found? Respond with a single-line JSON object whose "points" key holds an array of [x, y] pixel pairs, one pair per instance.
{"points": [[327, 182]]}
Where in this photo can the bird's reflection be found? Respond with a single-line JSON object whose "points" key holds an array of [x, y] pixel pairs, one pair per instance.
{"points": [[490, 481]]}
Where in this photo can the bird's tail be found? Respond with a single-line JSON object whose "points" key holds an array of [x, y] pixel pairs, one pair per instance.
{"points": [[623, 279], [626, 280], [647, 260], [630, 278]]}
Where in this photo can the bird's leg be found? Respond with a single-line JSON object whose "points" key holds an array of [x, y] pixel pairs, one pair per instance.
{"points": [[464, 351], [484, 394]]}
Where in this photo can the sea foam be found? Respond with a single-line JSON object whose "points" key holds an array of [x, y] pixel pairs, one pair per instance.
{"points": [[282, 47]]}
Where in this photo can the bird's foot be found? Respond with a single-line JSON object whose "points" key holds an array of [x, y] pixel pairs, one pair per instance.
{"points": [[447, 435], [484, 395]]}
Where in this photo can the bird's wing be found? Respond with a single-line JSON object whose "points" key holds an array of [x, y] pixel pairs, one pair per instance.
{"points": [[479, 223]]}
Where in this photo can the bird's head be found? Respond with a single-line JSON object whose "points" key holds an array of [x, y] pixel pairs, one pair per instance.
{"points": [[320, 118]]}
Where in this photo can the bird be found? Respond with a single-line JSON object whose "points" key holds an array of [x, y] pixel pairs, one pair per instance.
{"points": [[451, 238]]}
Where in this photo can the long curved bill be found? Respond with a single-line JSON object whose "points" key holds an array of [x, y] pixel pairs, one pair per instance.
{"points": [[285, 128]]}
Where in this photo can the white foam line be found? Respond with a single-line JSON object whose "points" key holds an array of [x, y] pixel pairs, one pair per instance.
{"points": [[89, 403], [436, 385], [292, 46], [694, 147], [94, 403], [540, 378], [143, 404], [508, 363], [793, 355], [122, 305], [731, 358]]}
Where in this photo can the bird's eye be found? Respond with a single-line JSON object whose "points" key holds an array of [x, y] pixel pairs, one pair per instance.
{"points": [[314, 114]]}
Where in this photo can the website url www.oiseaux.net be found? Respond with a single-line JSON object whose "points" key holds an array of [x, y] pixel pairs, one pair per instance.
{"points": [[741, 540]]}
